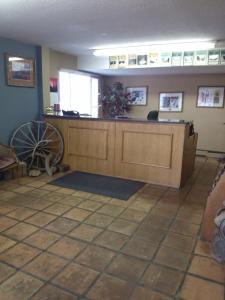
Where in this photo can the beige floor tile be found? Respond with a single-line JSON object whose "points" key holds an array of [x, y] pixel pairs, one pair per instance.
{"points": [[45, 266], [81, 194], [140, 248], [42, 239], [6, 195], [203, 248], [23, 189], [120, 202], [158, 221], [55, 196], [57, 209], [99, 220], [41, 219], [62, 225], [147, 232], [123, 226], [49, 187], [179, 242], [95, 257], [173, 258], [85, 232], [77, 214], [67, 247], [141, 293], [25, 180], [133, 215], [190, 218], [165, 212], [71, 200], [5, 271], [111, 240], [208, 268], [90, 205], [22, 213], [21, 199], [198, 289], [5, 243], [66, 191], [111, 210], [163, 279], [142, 205], [76, 278], [39, 204], [20, 287], [20, 231], [36, 183], [6, 223], [6, 208], [108, 287], [50, 292], [100, 198], [19, 255], [121, 267], [185, 228], [39, 193]]}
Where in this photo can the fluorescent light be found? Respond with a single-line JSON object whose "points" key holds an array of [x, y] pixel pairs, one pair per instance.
{"points": [[15, 58], [162, 46]]}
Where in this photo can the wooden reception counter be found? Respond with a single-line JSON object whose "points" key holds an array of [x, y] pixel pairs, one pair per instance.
{"points": [[159, 152]]}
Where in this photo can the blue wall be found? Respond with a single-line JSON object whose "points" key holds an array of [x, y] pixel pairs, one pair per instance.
{"points": [[18, 104]]}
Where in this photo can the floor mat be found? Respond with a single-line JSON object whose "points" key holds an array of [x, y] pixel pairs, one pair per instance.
{"points": [[98, 184]]}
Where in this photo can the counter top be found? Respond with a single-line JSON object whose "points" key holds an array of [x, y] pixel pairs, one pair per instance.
{"points": [[117, 118]]}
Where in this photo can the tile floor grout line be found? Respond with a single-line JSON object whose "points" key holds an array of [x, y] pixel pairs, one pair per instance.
{"points": [[196, 239], [165, 235], [119, 251]]}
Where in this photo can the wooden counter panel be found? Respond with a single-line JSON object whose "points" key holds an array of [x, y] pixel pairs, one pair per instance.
{"points": [[150, 152], [88, 142], [143, 148], [155, 155], [91, 146]]}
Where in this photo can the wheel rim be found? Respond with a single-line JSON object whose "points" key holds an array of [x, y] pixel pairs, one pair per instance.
{"points": [[34, 141]]}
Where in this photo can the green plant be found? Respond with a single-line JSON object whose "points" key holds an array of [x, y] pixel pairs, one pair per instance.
{"points": [[115, 101]]}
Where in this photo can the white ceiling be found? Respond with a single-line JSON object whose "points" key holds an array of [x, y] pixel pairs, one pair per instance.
{"points": [[76, 26]]}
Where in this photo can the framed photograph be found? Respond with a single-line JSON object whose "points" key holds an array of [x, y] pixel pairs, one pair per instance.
{"points": [[132, 60], [171, 102], [210, 96], [113, 62], [20, 71], [137, 95]]}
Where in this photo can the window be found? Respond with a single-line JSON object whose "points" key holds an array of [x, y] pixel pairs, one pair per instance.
{"points": [[79, 91]]}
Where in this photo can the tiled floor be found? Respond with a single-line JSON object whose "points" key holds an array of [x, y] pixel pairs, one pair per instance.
{"points": [[59, 243]]}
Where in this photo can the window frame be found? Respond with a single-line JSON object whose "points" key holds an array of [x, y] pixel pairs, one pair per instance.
{"points": [[82, 73]]}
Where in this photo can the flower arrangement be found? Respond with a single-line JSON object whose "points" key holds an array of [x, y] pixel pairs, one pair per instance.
{"points": [[115, 101]]}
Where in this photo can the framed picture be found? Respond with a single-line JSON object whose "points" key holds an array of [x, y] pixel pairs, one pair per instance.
{"points": [[20, 71], [171, 102], [137, 95], [210, 96]]}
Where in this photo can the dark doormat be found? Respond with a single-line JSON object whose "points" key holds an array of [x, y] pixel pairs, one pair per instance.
{"points": [[98, 184]]}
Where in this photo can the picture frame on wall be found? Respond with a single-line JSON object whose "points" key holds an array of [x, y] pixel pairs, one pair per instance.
{"points": [[137, 95], [20, 71], [171, 102], [210, 96]]}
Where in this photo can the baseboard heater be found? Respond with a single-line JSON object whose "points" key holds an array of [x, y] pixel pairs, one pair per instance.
{"points": [[210, 153]]}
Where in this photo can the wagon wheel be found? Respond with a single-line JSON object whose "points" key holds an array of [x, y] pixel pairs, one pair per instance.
{"points": [[34, 141]]}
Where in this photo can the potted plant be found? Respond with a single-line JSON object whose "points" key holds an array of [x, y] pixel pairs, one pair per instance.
{"points": [[115, 101]]}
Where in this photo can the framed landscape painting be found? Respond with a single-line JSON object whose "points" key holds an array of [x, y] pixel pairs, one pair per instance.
{"points": [[171, 102], [210, 97], [20, 71]]}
